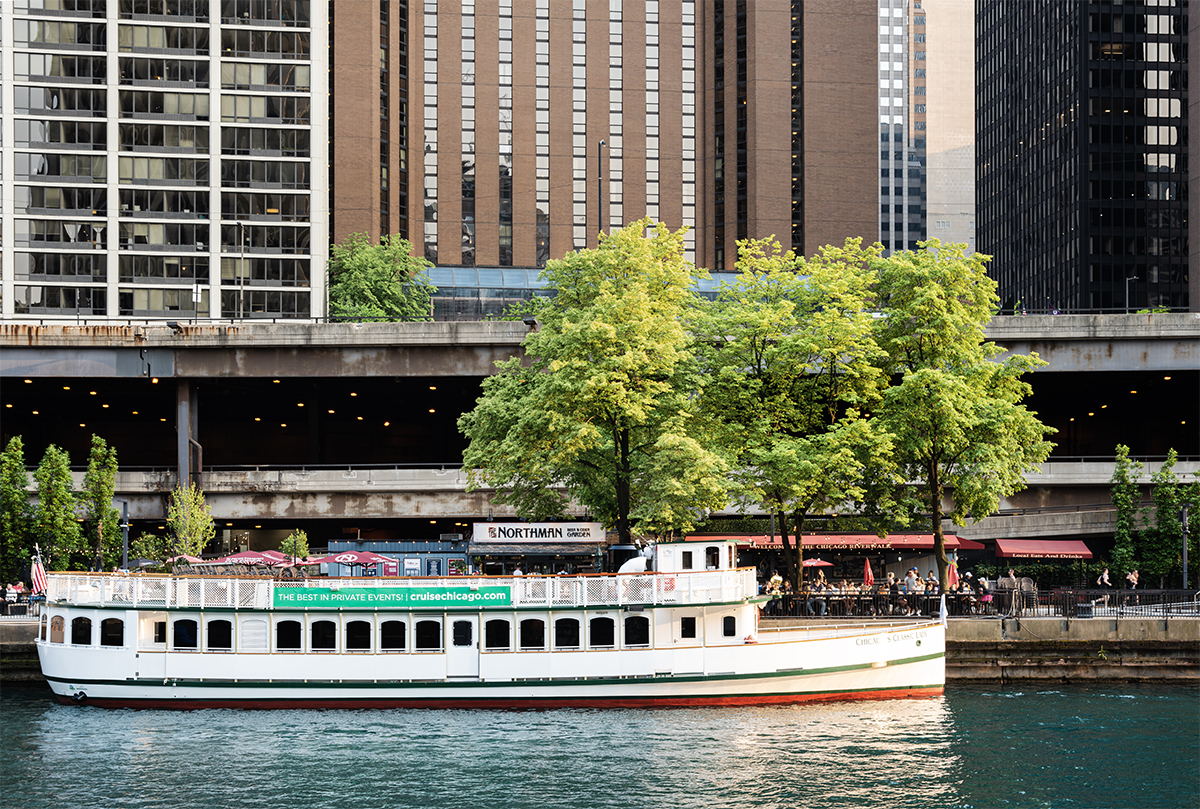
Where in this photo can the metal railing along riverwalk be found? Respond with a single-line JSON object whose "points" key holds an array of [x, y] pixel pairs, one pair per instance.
{"points": [[140, 591]]}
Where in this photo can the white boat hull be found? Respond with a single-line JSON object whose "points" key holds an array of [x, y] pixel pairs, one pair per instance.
{"points": [[788, 666]]}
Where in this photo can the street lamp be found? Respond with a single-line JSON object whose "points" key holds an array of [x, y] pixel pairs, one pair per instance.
{"points": [[124, 532], [600, 184], [1184, 517], [1127, 280]]}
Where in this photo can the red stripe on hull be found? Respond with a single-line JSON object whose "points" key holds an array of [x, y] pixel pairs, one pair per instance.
{"points": [[508, 704]]}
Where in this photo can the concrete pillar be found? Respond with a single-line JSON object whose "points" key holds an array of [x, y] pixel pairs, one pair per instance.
{"points": [[185, 428]]}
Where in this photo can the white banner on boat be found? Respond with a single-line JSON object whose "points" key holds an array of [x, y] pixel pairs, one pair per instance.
{"points": [[538, 532]]}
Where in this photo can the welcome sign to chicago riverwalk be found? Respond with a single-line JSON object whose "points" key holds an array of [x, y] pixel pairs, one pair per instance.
{"points": [[369, 598]]}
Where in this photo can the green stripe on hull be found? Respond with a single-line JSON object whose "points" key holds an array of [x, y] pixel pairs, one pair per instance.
{"points": [[469, 684]]}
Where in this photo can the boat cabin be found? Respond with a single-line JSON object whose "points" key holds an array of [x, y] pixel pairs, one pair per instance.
{"points": [[695, 557]]}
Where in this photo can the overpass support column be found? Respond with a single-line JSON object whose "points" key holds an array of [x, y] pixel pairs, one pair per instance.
{"points": [[186, 429]]}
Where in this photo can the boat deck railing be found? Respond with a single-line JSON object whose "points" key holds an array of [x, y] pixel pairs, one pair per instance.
{"points": [[142, 591]]}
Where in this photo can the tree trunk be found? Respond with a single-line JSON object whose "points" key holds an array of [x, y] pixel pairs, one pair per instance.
{"points": [[624, 533], [790, 566], [939, 539]]}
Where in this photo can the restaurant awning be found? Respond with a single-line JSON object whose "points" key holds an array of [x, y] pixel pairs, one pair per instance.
{"points": [[845, 542], [1042, 549]]}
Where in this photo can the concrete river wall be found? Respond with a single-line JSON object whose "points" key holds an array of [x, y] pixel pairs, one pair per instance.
{"points": [[977, 649]]}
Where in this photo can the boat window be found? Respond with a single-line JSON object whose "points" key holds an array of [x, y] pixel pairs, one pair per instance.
{"points": [[112, 632], [81, 631], [464, 633], [391, 635], [566, 633], [220, 635], [686, 564], [637, 630], [533, 633], [160, 631], [185, 635], [687, 626], [254, 635], [429, 635], [712, 557], [56, 629], [729, 626], [44, 624], [602, 632], [324, 636], [358, 635], [495, 634], [288, 636]]}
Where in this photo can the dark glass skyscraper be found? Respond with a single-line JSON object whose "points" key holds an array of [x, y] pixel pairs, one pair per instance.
{"points": [[1081, 135]]}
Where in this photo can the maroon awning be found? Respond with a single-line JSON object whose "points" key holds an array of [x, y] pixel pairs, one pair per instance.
{"points": [[844, 542], [1042, 549]]}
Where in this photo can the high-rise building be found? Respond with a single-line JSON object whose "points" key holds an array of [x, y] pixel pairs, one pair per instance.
{"points": [[926, 122], [788, 125], [1081, 134], [163, 158], [513, 131]]}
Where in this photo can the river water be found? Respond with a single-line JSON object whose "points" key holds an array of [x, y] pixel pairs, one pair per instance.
{"points": [[1128, 746]]}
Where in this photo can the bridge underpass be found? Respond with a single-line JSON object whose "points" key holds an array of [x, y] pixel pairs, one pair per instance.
{"points": [[334, 427]]}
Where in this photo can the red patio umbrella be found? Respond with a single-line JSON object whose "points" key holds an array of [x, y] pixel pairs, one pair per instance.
{"points": [[817, 563], [352, 558], [254, 558], [868, 576]]}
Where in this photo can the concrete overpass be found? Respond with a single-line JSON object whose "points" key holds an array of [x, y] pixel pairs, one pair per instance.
{"points": [[237, 389]]}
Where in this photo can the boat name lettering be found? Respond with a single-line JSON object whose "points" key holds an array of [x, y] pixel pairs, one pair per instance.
{"points": [[373, 597], [900, 637]]}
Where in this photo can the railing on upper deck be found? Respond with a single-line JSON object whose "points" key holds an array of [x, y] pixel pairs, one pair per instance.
{"points": [[551, 592]]}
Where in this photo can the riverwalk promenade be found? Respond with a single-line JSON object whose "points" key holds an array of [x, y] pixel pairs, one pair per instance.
{"points": [[979, 649]]}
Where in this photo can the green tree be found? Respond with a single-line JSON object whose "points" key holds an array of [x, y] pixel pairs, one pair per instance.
{"points": [[378, 281], [1160, 547], [602, 403], [792, 367], [1127, 502], [103, 526], [296, 545], [189, 521], [955, 408], [152, 546], [56, 526], [16, 515]]}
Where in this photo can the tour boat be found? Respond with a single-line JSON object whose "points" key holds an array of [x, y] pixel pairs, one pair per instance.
{"points": [[685, 632]]}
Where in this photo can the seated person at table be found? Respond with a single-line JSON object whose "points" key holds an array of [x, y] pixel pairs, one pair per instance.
{"points": [[815, 600]]}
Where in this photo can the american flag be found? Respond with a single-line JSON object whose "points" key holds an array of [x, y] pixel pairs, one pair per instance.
{"points": [[39, 575]]}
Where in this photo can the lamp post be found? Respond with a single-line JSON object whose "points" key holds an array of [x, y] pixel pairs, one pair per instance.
{"points": [[600, 185], [124, 532], [1127, 280], [1184, 517]]}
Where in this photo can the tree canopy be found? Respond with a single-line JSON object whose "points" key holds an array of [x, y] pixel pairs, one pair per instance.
{"points": [[56, 526], [103, 522], [603, 403], [792, 370], [189, 520], [16, 514], [378, 281], [954, 407]]}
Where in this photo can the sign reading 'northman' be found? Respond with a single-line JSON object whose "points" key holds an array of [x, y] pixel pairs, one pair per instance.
{"points": [[538, 532]]}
